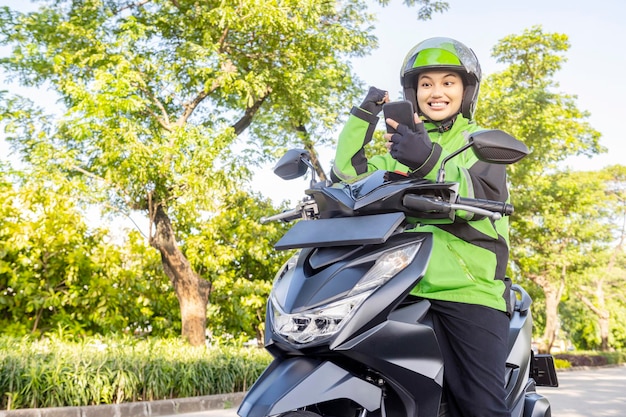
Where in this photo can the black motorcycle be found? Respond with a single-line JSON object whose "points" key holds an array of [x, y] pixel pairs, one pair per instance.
{"points": [[346, 340]]}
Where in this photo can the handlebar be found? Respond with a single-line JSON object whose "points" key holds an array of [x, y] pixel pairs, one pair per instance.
{"points": [[286, 216], [489, 208], [308, 209], [496, 206]]}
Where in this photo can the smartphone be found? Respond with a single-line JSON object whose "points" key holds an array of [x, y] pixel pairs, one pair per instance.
{"points": [[400, 111]]}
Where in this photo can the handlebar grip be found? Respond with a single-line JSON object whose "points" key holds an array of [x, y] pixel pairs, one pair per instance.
{"points": [[425, 204], [496, 206]]}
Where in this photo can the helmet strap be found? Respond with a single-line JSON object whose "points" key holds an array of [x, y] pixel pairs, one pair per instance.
{"points": [[444, 125]]}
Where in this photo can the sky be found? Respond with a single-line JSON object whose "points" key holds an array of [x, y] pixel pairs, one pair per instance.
{"points": [[594, 71]]}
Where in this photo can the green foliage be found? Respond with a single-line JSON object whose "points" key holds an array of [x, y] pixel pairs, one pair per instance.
{"points": [[427, 7], [563, 223], [578, 323], [581, 324], [235, 253], [154, 100], [57, 273], [562, 364], [616, 357], [54, 373], [618, 324], [377, 145], [523, 100], [132, 77]]}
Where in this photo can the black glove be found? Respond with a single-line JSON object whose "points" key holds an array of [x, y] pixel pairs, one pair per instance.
{"points": [[411, 148], [374, 101]]}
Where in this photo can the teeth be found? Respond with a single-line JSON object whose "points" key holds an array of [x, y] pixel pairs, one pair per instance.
{"points": [[438, 104]]}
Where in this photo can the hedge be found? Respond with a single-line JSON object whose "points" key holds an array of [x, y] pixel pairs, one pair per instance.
{"points": [[56, 373]]}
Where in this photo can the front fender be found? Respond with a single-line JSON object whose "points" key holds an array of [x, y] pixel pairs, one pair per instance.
{"points": [[289, 384]]}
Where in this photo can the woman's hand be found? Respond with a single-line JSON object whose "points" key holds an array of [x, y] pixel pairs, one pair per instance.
{"points": [[374, 100], [407, 147]]}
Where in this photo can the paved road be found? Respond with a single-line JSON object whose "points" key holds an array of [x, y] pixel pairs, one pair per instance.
{"points": [[589, 393], [581, 393]]}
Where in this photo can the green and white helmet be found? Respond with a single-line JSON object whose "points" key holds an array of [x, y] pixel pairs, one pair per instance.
{"points": [[442, 54]]}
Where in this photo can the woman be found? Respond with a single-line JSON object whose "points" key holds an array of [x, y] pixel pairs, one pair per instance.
{"points": [[465, 280]]}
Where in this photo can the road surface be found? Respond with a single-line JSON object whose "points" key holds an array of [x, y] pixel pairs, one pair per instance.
{"points": [[589, 393]]}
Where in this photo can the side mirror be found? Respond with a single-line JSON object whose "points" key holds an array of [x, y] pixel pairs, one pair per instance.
{"points": [[493, 146], [293, 164], [497, 147]]}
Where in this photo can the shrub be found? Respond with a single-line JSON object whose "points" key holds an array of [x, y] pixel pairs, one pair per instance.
{"points": [[562, 364], [56, 373], [582, 359], [592, 358]]}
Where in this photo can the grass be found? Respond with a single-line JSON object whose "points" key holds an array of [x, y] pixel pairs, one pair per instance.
{"points": [[55, 373]]}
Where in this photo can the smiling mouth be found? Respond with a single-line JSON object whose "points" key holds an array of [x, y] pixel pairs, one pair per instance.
{"points": [[438, 105]]}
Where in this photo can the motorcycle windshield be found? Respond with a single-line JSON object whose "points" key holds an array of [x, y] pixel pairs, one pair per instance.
{"points": [[341, 231], [364, 184]]}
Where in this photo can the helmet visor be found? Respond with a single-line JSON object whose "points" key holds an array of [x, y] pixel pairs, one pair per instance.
{"points": [[441, 53]]}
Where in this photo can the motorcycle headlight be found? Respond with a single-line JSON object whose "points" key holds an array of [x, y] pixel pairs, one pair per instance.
{"points": [[323, 322], [313, 325]]}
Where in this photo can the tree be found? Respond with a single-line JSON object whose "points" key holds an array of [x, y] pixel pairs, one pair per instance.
{"points": [[155, 98], [44, 264], [235, 250], [563, 232], [57, 273], [603, 287], [592, 314], [524, 100]]}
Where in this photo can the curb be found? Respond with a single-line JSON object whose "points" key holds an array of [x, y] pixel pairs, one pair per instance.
{"points": [[136, 409]]}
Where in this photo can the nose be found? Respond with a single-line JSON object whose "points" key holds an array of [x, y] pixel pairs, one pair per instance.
{"points": [[437, 91]]}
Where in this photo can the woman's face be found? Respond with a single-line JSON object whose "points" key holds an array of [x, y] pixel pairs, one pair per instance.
{"points": [[439, 94]]}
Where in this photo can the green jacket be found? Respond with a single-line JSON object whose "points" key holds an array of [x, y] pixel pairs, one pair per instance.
{"points": [[469, 256]]}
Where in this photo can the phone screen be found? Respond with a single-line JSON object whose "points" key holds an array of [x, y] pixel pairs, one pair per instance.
{"points": [[400, 111]]}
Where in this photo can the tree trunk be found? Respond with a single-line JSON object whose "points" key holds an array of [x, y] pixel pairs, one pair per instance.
{"points": [[191, 290], [309, 145], [553, 298], [552, 319], [604, 332]]}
